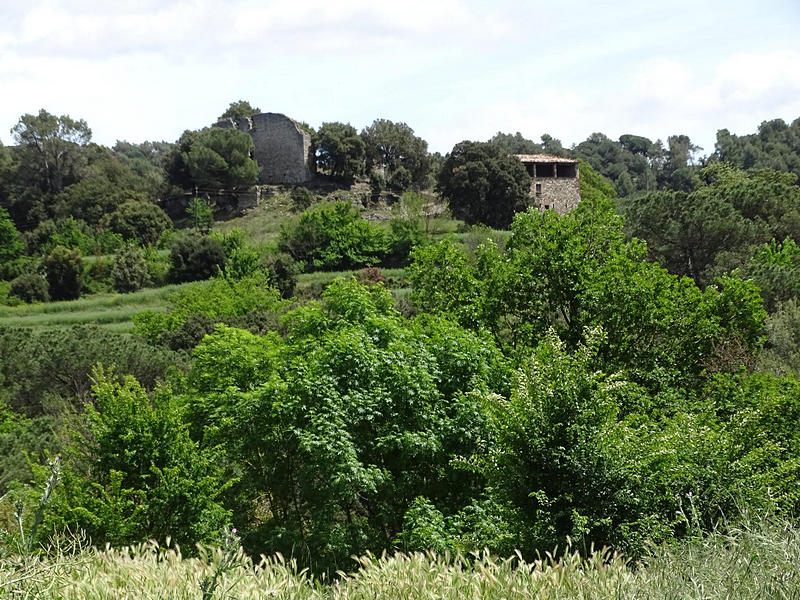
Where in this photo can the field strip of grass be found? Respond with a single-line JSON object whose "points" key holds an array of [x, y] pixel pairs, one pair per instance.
{"points": [[115, 310]]}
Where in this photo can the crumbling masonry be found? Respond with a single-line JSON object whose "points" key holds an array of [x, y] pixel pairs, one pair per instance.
{"points": [[281, 147]]}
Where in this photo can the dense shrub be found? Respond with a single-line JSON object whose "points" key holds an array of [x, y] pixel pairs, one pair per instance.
{"points": [[64, 273], [194, 257], [30, 287], [45, 370], [141, 221], [161, 486], [219, 299], [302, 198], [282, 270], [130, 272], [333, 236]]}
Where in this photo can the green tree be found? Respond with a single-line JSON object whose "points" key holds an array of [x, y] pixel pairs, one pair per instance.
{"points": [[106, 182], [64, 273], [340, 150], [11, 246], [344, 422], [213, 158], [482, 185], [29, 287], [241, 109], [129, 271], [53, 144], [567, 273], [135, 474], [143, 222], [391, 145], [201, 214], [711, 230]]}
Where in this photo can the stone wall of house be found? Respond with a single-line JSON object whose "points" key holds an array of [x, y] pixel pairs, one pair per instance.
{"points": [[561, 194], [281, 148]]}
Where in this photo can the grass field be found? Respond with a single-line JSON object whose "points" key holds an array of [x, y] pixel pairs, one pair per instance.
{"points": [[116, 311], [113, 311], [759, 562]]}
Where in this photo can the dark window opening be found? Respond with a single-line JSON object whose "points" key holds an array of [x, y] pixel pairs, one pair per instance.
{"points": [[545, 170], [529, 167], [538, 189], [567, 170]]}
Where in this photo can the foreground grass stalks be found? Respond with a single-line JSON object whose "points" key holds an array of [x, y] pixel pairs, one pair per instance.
{"points": [[761, 561]]}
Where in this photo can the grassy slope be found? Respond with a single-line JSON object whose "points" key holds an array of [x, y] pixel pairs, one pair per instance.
{"points": [[761, 562], [263, 225], [114, 311]]}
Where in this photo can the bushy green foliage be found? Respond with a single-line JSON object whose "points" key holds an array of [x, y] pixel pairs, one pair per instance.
{"points": [[333, 236], [201, 214], [135, 474], [218, 300], [141, 221], [73, 234], [106, 183], [390, 146], [483, 185], [344, 422], [594, 187], [774, 146], [64, 273], [775, 269], [340, 150], [30, 287], [782, 354], [302, 198], [241, 109], [129, 272], [282, 270], [11, 246], [194, 257], [213, 158], [711, 230], [46, 370], [569, 272]]}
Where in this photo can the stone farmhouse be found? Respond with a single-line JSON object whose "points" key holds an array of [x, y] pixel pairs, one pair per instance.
{"points": [[555, 182], [281, 147]]}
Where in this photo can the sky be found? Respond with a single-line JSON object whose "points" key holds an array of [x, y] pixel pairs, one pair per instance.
{"points": [[453, 70]]}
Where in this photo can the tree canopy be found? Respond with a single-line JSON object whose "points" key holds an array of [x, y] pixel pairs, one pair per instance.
{"points": [[213, 158], [483, 184]]}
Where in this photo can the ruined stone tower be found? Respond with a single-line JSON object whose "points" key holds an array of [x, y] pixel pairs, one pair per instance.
{"points": [[281, 147]]}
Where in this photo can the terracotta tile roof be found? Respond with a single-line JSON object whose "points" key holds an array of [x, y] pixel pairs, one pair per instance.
{"points": [[543, 158]]}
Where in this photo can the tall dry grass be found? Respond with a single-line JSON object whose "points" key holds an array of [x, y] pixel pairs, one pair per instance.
{"points": [[758, 561]]}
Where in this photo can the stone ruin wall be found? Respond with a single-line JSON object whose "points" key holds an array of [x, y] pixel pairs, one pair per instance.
{"points": [[281, 148], [561, 194]]}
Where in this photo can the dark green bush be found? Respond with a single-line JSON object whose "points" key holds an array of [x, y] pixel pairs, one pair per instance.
{"points": [[302, 198], [400, 179], [282, 271], [196, 257], [30, 287], [64, 269], [141, 221]]}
